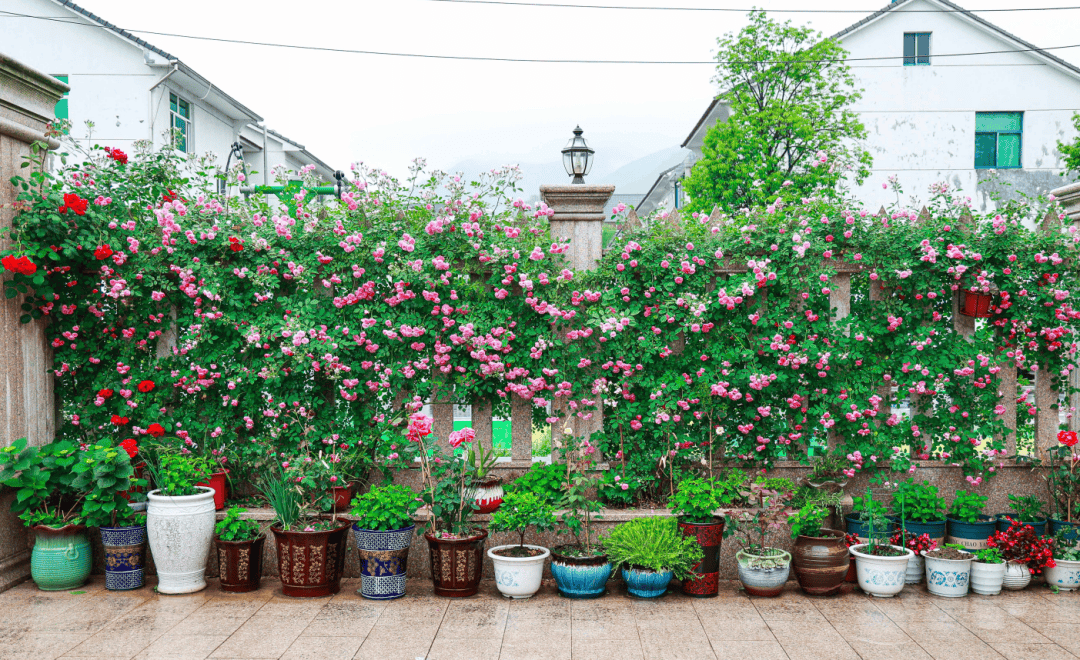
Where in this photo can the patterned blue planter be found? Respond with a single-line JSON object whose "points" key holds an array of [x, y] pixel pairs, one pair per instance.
{"points": [[384, 557], [1003, 524], [580, 577], [935, 529], [125, 557], [646, 583], [859, 528], [972, 536], [1072, 529]]}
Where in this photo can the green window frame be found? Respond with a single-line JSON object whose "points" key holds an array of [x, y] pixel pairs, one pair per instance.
{"points": [[61, 110], [916, 48], [180, 122], [999, 140]]}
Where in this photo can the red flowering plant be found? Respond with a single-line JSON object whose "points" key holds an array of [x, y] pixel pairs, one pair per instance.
{"points": [[911, 541], [1020, 544], [1063, 477]]}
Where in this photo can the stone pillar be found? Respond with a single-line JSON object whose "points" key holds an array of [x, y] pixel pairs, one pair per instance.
{"points": [[481, 422], [27, 407], [442, 414], [579, 219], [521, 430], [1069, 198]]}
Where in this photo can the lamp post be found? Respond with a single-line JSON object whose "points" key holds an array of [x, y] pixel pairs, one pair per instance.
{"points": [[577, 157]]}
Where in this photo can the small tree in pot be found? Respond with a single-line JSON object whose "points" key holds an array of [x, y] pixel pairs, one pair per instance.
{"points": [[383, 531], [240, 551], [763, 570], [881, 568], [581, 569], [520, 568]]}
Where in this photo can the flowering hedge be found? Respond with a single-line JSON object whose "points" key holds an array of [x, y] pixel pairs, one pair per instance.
{"points": [[222, 321]]}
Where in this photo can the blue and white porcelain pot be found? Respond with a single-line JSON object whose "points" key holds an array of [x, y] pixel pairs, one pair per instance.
{"points": [[1065, 576], [518, 577], [644, 583], [384, 560], [125, 556], [947, 577], [881, 576], [579, 577]]}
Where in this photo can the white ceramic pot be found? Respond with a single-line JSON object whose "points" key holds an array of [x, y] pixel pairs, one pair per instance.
{"points": [[948, 577], [986, 579], [518, 577], [883, 577], [915, 570], [181, 532], [1017, 576], [1065, 576]]}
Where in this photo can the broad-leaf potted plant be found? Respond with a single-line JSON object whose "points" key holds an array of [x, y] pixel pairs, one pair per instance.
{"points": [[1027, 510], [383, 530], [968, 525], [179, 520], [239, 544], [695, 503], [1064, 575], [519, 568], [820, 556], [650, 552], [987, 571], [763, 570], [920, 509]]}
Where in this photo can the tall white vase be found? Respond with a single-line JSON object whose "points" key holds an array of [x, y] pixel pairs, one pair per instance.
{"points": [[181, 532]]}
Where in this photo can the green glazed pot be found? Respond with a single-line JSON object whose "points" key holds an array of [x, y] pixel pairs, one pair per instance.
{"points": [[61, 557]]}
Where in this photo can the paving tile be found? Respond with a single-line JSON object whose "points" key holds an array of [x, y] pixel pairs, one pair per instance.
{"points": [[258, 639], [398, 649], [323, 648], [947, 649], [811, 650], [740, 630], [665, 608], [725, 607], [34, 646], [529, 650], [90, 616], [779, 609], [677, 632], [182, 647], [119, 643], [607, 649], [547, 630], [1000, 628], [796, 630], [604, 629], [550, 607], [208, 623], [672, 649], [346, 618], [740, 650], [444, 648], [1022, 651], [874, 633], [293, 608], [908, 650]]}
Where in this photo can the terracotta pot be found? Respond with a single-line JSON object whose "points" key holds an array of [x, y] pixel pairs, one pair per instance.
{"points": [[709, 537], [821, 562], [218, 483], [342, 498], [240, 564], [487, 493], [456, 564], [311, 563], [978, 305]]}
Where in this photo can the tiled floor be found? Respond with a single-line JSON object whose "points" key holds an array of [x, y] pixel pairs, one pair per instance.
{"points": [[93, 623]]}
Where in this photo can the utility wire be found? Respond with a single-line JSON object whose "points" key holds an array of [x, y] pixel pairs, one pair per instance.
{"points": [[351, 51], [547, 5]]}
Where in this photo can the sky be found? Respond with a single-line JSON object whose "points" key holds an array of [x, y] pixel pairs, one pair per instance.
{"points": [[385, 111]]}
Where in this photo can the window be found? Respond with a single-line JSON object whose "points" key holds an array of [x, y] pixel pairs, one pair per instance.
{"points": [[916, 48], [61, 111], [180, 111], [998, 136]]}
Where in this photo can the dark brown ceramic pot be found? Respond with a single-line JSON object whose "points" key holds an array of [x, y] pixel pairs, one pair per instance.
{"points": [[456, 564], [821, 562], [240, 564], [708, 536], [311, 563]]}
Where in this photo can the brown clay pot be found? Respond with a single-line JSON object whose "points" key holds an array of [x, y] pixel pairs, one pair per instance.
{"points": [[240, 564], [821, 562], [708, 536], [456, 564], [311, 563]]}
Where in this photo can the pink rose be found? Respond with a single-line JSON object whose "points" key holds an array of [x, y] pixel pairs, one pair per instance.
{"points": [[465, 435]]}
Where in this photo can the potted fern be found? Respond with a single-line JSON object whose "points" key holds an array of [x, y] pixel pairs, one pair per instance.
{"points": [[239, 543], [650, 552]]}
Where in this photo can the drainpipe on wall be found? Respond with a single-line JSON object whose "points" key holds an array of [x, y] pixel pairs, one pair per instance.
{"points": [[150, 96], [266, 161]]}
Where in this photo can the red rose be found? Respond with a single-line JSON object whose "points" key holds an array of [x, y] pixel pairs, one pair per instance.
{"points": [[117, 155], [146, 386], [74, 203], [156, 430], [105, 393], [236, 247], [169, 197], [1067, 438], [103, 252], [118, 420], [130, 446], [19, 264]]}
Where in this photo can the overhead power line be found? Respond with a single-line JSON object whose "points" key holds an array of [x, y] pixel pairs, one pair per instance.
{"points": [[549, 5], [352, 51]]}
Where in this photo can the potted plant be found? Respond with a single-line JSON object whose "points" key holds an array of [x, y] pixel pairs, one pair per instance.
{"points": [[240, 551], [968, 525], [820, 556], [920, 509], [881, 567], [987, 572], [485, 488], [865, 508], [179, 520], [1063, 481], [651, 551], [1064, 575], [917, 543], [520, 568], [1027, 510], [763, 570], [948, 571], [581, 569], [852, 575], [827, 473], [383, 530], [1025, 554], [694, 503], [47, 503]]}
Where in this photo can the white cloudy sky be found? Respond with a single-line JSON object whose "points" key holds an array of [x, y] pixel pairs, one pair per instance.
{"points": [[387, 110]]}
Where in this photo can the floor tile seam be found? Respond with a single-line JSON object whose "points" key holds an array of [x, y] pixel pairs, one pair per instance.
{"points": [[442, 619], [115, 618]]}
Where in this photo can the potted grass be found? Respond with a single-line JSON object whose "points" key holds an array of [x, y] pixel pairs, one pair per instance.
{"points": [[948, 571], [519, 568], [920, 509], [1064, 575], [820, 556], [383, 530], [987, 571], [179, 520], [763, 570], [864, 509], [239, 544], [1063, 481], [967, 524], [881, 567], [650, 552], [1027, 510], [694, 503]]}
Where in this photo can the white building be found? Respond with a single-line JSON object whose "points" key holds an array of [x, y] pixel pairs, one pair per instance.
{"points": [[973, 121], [133, 91]]}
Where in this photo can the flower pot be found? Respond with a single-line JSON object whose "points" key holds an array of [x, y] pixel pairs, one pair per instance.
{"points": [[240, 564], [1065, 575], [821, 562], [518, 577], [645, 583], [1072, 529], [915, 570], [709, 537], [580, 577], [948, 577], [763, 575], [61, 558], [986, 579], [341, 498], [218, 483], [860, 529], [456, 564], [1017, 576], [852, 574], [311, 563], [384, 560], [935, 529], [978, 305], [488, 494], [180, 531], [882, 577], [1003, 524], [972, 536], [125, 556]]}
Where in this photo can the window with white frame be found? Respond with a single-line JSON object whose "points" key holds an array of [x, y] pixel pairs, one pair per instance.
{"points": [[180, 115]]}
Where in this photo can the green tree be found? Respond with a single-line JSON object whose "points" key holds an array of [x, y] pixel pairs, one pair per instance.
{"points": [[791, 132], [1071, 152]]}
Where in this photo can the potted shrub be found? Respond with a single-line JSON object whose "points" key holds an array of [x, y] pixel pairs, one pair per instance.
{"points": [[581, 569], [239, 544], [763, 570], [827, 473], [820, 556], [1063, 480], [520, 568], [179, 521], [1064, 575], [1027, 510], [695, 503], [485, 488], [865, 508], [920, 509], [917, 543], [881, 567], [987, 572], [383, 530], [948, 571], [1025, 554], [47, 503], [650, 551], [968, 525]]}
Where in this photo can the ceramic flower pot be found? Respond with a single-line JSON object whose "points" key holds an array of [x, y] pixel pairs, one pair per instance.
{"points": [[240, 564], [709, 536], [181, 532], [1003, 524], [1017, 576], [935, 529], [821, 562], [579, 577], [852, 574], [518, 577], [882, 577], [1072, 529], [61, 558], [456, 564], [384, 560], [972, 536], [488, 494], [916, 568], [341, 498], [125, 556], [860, 529], [644, 583], [948, 577], [763, 575], [218, 482], [1065, 576], [311, 563], [986, 579]]}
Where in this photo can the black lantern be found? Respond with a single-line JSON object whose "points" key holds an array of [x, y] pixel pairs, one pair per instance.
{"points": [[577, 157]]}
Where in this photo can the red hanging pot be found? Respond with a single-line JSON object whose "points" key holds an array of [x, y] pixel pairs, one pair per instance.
{"points": [[978, 305]]}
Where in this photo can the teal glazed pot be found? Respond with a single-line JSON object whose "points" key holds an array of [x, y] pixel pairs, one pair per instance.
{"points": [[860, 529], [643, 583], [1003, 524], [580, 577], [1072, 529], [935, 529], [972, 536], [61, 558]]}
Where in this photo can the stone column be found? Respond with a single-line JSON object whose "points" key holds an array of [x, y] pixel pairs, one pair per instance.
{"points": [[1069, 198], [27, 407]]}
